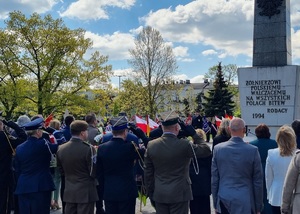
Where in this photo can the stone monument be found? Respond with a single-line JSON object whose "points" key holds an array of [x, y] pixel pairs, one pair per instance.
{"points": [[269, 91]]}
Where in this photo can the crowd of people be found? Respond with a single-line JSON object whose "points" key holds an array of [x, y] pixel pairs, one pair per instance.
{"points": [[77, 166]]}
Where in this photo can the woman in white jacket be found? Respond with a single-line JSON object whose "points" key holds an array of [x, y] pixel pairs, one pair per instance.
{"points": [[277, 164]]}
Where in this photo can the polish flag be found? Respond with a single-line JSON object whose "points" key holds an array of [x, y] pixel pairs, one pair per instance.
{"points": [[142, 124], [218, 121]]}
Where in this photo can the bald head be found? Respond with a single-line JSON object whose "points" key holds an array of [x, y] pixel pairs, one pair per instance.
{"points": [[237, 126]]}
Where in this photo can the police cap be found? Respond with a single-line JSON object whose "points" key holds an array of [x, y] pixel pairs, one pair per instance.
{"points": [[169, 118], [119, 123], [34, 124]]}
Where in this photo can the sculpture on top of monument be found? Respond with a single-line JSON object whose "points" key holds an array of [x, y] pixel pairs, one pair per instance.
{"points": [[269, 7]]}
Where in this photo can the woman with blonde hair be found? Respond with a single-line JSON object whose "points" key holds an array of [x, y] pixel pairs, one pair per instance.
{"points": [[277, 164], [223, 133], [58, 138]]}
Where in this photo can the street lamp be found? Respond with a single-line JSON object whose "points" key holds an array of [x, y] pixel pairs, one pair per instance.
{"points": [[119, 81], [206, 83]]}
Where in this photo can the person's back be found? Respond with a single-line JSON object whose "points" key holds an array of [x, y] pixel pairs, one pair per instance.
{"points": [[76, 160], [237, 177], [170, 157], [277, 164], [264, 143], [167, 162], [66, 130]]}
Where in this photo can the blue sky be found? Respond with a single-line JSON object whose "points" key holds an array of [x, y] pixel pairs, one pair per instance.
{"points": [[202, 33]]}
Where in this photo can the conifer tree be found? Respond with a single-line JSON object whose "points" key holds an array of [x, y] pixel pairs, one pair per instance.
{"points": [[219, 100]]}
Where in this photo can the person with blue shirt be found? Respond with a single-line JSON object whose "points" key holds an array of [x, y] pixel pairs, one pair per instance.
{"points": [[32, 164], [115, 169], [66, 131]]}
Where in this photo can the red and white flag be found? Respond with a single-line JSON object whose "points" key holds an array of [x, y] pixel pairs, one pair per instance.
{"points": [[142, 124], [218, 121]]}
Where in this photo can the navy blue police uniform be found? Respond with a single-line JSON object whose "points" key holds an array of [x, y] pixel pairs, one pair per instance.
{"points": [[115, 169], [32, 163]]}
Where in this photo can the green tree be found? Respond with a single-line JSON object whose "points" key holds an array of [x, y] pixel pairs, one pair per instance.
{"points": [[132, 97], [219, 100], [186, 104], [51, 58], [229, 72], [153, 61]]}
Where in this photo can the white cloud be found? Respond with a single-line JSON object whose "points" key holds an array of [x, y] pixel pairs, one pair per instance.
{"points": [[209, 52], [227, 26], [115, 46], [178, 77], [94, 9], [26, 6], [222, 55], [187, 59], [127, 72], [197, 79], [296, 46], [180, 51]]}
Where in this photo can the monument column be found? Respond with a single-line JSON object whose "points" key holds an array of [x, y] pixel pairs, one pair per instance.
{"points": [[270, 90], [272, 33]]}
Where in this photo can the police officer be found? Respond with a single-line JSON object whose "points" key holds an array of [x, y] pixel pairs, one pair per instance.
{"points": [[32, 163], [115, 169]]}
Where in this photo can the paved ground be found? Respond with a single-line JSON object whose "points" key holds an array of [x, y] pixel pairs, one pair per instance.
{"points": [[148, 209]]}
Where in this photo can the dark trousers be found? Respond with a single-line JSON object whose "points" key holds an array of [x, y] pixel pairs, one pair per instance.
{"points": [[5, 199], [87, 208], [173, 208], [62, 189], [99, 203], [276, 210], [200, 205], [35, 203], [120, 207]]}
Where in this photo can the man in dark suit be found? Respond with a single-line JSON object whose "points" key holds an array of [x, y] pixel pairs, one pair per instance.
{"points": [[167, 161], [115, 169], [237, 176], [77, 161]]}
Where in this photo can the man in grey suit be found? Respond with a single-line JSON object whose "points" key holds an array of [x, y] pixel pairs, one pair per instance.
{"points": [[167, 161], [76, 160], [237, 176]]}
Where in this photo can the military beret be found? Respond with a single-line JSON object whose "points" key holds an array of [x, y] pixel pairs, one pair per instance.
{"points": [[119, 123], [34, 124], [169, 118]]}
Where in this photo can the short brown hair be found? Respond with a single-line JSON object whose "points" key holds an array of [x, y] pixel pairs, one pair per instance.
{"points": [[286, 140], [262, 131], [78, 126]]}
